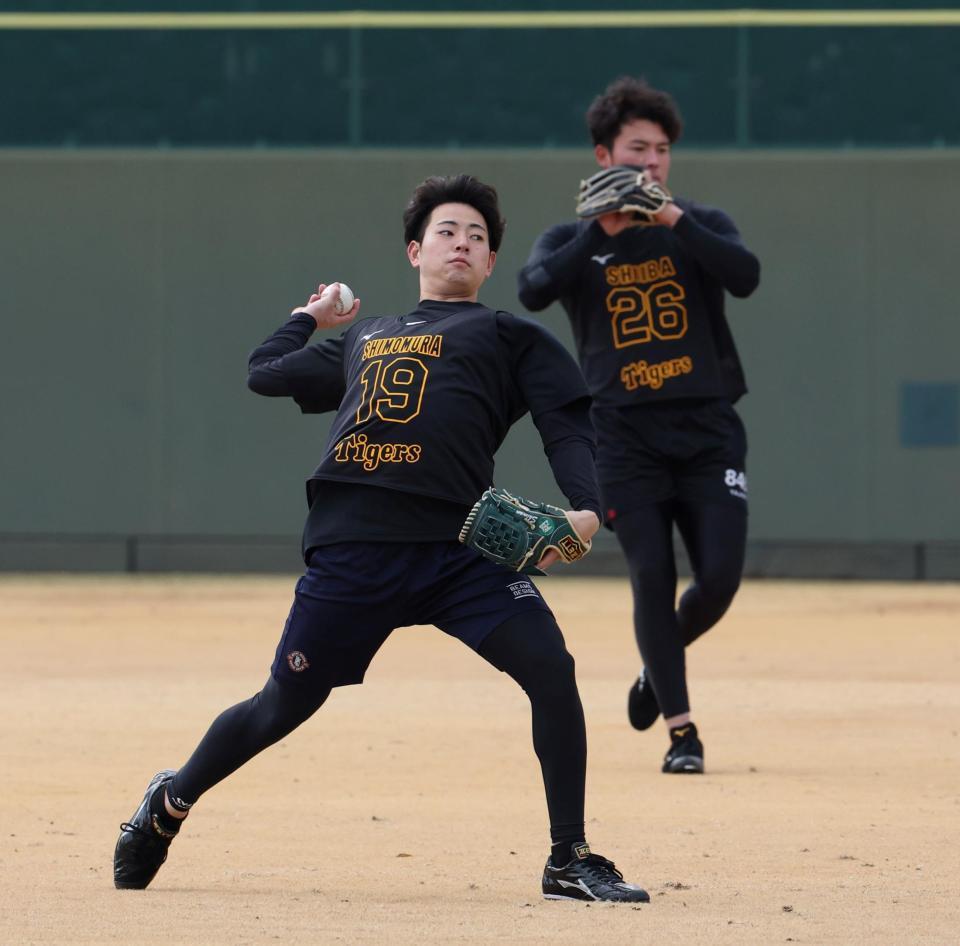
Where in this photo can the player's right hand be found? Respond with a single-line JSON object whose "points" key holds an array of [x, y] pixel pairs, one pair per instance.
{"points": [[615, 222], [321, 307]]}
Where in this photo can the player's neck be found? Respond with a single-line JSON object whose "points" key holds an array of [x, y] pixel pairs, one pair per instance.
{"points": [[445, 297]]}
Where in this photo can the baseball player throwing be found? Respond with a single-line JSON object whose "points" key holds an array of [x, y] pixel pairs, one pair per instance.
{"points": [[422, 400]]}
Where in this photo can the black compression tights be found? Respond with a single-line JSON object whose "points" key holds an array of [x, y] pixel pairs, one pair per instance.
{"points": [[715, 536], [530, 648], [242, 731]]}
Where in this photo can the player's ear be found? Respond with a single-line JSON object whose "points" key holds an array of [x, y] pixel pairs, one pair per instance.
{"points": [[603, 156], [490, 261], [413, 254]]}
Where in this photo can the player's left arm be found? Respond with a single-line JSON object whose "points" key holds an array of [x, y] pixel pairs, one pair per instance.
{"points": [[552, 388], [714, 241], [570, 446]]}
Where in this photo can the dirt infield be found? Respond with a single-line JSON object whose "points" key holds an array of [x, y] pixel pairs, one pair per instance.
{"points": [[411, 808]]}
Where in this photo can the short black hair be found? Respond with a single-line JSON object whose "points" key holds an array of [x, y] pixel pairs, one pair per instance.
{"points": [[627, 99], [458, 189]]}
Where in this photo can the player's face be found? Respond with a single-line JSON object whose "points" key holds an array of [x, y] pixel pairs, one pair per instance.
{"points": [[454, 257], [639, 142]]}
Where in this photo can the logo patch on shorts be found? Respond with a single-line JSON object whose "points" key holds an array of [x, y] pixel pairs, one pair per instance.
{"points": [[297, 661], [736, 482], [523, 589]]}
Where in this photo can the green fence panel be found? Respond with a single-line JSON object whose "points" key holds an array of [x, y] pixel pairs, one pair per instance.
{"points": [[136, 283]]}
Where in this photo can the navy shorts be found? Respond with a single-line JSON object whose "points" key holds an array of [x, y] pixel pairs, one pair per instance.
{"points": [[691, 451], [354, 594]]}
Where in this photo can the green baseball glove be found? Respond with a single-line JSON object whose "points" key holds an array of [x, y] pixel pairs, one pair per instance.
{"points": [[515, 532], [623, 189]]}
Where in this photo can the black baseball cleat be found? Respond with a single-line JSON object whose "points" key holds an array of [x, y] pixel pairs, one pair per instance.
{"points": [[686, 751], [589, 877], [142, 846], [642, 706]]}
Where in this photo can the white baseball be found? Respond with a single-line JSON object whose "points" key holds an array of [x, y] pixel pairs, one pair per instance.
{"points": [[345, 302]]}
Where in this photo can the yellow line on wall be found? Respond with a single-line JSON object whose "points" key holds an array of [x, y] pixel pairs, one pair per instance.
{"points": [[574, 19]]}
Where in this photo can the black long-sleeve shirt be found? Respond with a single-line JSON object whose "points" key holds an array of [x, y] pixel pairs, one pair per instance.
{"points": [[647, 306], [407, 503]]}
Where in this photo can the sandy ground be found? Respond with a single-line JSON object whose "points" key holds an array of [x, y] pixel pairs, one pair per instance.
{"points": [[410, 809]]}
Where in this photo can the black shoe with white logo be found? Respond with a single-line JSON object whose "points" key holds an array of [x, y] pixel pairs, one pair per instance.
{"points": [[642, 706], [143, 843], [589, 877], [686, 751]]}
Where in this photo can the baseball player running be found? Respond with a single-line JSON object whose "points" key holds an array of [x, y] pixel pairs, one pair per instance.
{"points": [[423, 400], [642, 278]]}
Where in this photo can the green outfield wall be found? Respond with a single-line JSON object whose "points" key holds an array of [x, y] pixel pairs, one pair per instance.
{"points": [[487, 73], [136, 282]]}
